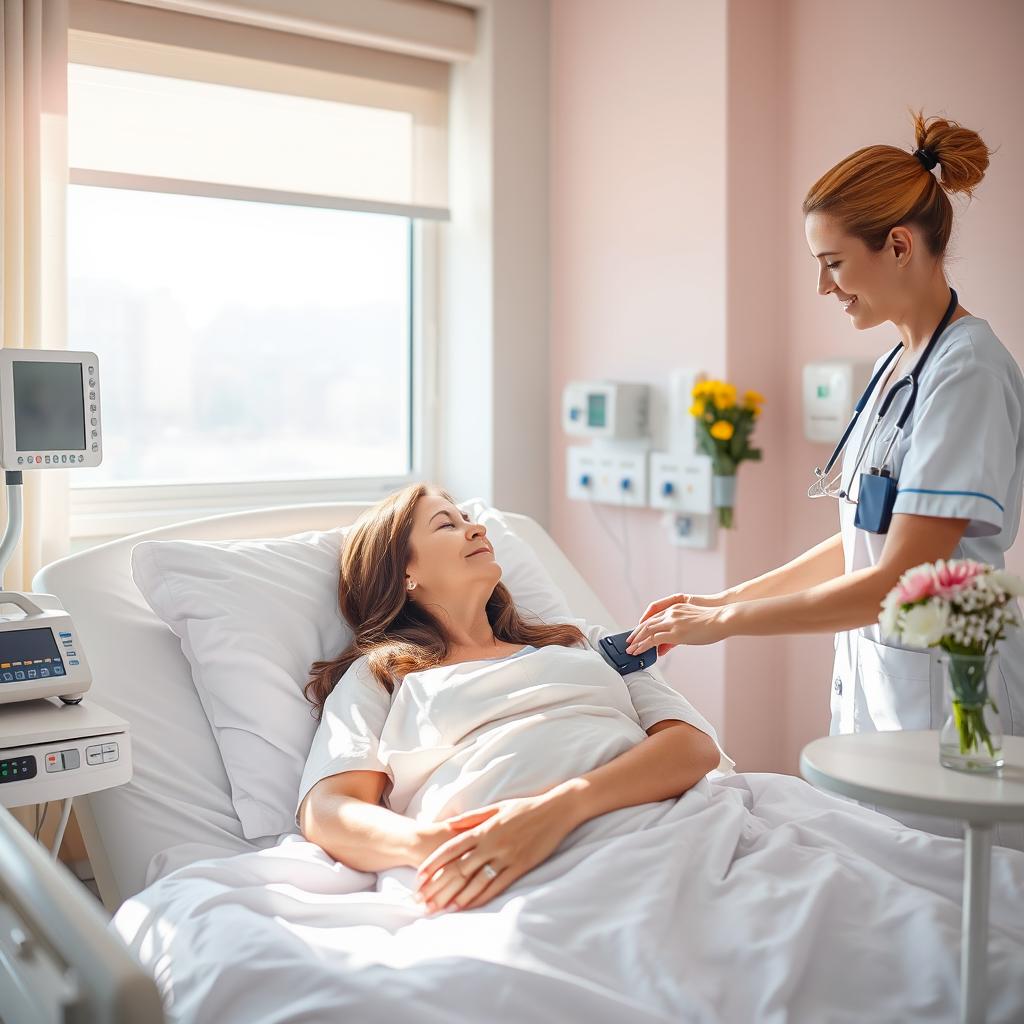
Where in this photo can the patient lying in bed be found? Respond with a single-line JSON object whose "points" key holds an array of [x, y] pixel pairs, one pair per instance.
{"points": [[490, 738], [500, 768]]}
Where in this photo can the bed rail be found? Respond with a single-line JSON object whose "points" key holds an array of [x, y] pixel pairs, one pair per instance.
{"points": [[58, 961]]}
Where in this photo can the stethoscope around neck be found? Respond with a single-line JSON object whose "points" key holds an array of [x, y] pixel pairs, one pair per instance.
{"points": [[825, 488]]}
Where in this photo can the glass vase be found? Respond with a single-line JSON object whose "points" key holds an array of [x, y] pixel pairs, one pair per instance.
{"points": [[723, 492], [971, 739]]}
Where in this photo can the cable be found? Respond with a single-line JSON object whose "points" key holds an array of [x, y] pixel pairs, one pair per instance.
{"points": [[59, 837], [623, 551], [41, 821]]}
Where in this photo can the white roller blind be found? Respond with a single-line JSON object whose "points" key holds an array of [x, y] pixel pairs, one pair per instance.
{"points": [[179, 103]]}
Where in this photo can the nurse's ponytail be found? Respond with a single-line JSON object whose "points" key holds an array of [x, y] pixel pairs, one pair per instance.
{"points": [[878, 187], [961, 155]]}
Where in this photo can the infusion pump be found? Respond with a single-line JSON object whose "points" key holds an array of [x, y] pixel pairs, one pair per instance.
{"points": [[40, 652]]}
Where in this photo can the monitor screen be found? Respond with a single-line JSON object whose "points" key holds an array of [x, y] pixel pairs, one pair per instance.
{"points": [[49, 406], [28, 654], [595, 410]]}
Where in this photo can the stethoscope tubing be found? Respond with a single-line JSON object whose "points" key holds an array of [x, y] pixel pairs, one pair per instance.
{"points": [[910, 380]]}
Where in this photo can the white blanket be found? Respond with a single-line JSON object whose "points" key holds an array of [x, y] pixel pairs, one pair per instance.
{"points": [[751, 898]]}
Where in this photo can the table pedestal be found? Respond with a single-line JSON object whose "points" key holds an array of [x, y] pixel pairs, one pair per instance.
{"points": [[974, 929]]}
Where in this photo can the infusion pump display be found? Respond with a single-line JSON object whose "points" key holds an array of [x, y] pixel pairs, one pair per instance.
{"points": [[49, 409]]}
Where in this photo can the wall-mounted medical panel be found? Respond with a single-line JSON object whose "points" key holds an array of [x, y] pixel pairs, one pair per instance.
{"points": [[681, 483], [608, 476]]}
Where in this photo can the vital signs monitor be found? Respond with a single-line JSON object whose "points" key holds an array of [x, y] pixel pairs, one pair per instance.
{"points": [[49, 409]]}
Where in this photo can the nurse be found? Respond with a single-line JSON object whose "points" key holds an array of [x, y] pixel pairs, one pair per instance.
{"points": [[877, 225]]}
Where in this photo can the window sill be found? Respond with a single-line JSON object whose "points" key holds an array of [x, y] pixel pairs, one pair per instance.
{"points": [[100, 514]]}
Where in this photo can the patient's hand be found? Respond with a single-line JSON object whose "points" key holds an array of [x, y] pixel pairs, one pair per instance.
{"points": [[436, 833], [516, 836]]}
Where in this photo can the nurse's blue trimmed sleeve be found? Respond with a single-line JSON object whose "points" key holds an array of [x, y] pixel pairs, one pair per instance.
{"points": [[348, 737], [963, 444]]}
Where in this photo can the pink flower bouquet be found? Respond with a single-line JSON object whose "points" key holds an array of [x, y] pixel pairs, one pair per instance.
{"points": [[965, 608]]}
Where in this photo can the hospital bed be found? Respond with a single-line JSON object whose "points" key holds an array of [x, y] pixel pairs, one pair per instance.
{"points": [[179, 792], [180, 798]]}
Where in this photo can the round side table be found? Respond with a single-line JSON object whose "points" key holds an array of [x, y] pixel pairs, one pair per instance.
{"points": [[901, 770]]}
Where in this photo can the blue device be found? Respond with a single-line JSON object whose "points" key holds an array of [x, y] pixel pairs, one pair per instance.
{"points": [[614, 650]]}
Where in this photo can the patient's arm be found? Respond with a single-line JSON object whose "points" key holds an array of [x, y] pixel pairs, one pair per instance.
{"points": [[674, 757], [524, 832], [342, 814]]}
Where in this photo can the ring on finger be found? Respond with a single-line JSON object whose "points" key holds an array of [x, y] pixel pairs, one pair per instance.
{"points": [[489, 870]]}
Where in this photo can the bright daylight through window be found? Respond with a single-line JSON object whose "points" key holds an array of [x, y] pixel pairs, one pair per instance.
{"points": [[239, 340]]}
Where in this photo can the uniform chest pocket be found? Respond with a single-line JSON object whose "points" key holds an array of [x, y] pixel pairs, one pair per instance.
{"points": [[898, 686]]}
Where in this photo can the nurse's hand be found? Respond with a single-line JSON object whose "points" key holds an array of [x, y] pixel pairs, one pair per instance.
{"points": [[684, 622], [700, 600]]}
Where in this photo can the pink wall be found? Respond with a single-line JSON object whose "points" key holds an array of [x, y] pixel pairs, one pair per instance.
{"points": [[684, 135], [637, 261]]}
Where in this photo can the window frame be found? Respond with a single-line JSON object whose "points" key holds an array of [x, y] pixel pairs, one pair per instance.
{"points": [[114, 510]]}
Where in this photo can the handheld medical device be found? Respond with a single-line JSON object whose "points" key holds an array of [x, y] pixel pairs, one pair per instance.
{"points": [[49, 409], [613, 648], [49, 419], [878, 487], [606, 410]]}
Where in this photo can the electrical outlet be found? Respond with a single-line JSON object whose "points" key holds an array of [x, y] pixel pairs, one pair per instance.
{"points": [[581, 473], [681, 483], [687, 530]]}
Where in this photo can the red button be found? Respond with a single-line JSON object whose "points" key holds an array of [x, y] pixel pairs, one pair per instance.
{"points": [[39, 458]]}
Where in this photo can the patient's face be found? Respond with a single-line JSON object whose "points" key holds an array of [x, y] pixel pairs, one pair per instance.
{"points": [[449, 553]]}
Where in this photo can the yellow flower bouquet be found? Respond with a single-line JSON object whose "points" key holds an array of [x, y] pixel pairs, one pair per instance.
{"points": [[724, 429]]}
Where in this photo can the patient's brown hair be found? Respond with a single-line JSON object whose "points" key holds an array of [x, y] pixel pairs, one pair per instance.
{"points": [[397, 635]]}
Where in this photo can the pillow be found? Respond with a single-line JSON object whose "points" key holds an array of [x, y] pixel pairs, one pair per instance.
{"points": [[252, 616]]}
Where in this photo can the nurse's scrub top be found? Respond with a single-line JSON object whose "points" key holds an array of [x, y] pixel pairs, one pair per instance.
{"points": [[961, 456]]}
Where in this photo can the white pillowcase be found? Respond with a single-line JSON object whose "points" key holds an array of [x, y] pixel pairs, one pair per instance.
{"points": [[253, 616]]}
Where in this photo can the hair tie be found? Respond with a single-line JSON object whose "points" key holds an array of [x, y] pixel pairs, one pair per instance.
{"points": [[927, 157]]}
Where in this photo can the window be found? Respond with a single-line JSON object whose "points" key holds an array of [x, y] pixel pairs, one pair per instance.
{"points": [[242, 341], [254, 268]]}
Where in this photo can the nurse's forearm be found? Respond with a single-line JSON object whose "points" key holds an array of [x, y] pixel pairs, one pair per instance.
{"points": [[821, 563], [847, 602]]}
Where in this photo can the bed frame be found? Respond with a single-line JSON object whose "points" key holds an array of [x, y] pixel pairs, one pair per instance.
{"points": [[55, 951]]}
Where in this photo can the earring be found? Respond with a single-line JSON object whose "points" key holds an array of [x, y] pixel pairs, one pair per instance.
{"points": [[411, 585]]}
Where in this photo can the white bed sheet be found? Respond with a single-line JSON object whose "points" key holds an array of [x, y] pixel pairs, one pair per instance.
{"points": [[752, 898]]}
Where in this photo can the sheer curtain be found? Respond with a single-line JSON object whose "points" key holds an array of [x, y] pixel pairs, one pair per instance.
{"points": [[33, 277]]}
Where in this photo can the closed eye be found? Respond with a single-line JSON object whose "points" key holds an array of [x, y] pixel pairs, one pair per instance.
{"points": [[833, 266]]}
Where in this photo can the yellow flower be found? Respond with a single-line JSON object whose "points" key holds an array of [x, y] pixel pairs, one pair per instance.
{"points": [[753, 398], [704, 389], [697, 409], [722, 430], [725, 396]]}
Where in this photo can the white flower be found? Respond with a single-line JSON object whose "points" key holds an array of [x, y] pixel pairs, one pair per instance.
{"points": [[1007, 582], [924, 625], [888, 619]]}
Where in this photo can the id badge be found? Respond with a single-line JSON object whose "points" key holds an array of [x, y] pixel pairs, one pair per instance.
{"points": [[875, 502]]}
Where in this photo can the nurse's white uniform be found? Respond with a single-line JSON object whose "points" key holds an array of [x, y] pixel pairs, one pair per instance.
{"points": [[961, 456]]}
